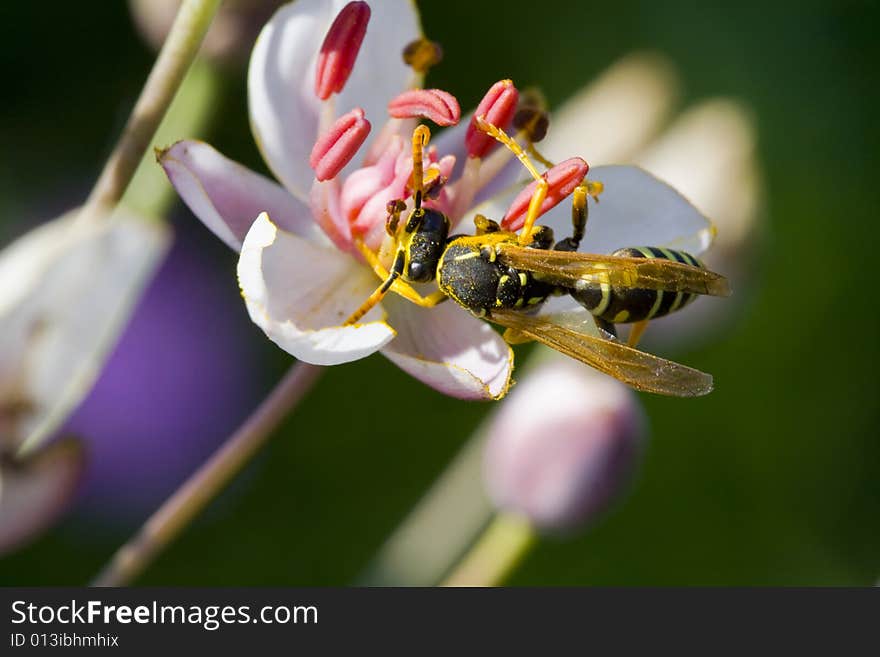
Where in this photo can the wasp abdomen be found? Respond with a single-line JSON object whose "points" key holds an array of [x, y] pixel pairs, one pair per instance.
{"points": [[620, 305]]}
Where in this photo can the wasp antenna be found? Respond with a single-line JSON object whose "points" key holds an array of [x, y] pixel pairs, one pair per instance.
{"points": [[420, 139]]}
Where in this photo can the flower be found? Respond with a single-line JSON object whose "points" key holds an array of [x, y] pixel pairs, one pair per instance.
{"points": [[562, 445], [321, 74], [67, 289], [711, 158]]}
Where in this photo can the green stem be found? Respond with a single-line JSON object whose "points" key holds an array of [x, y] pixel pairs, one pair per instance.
{"points": [[175, 58], [496, 554], [190, 115], [209, 480]]}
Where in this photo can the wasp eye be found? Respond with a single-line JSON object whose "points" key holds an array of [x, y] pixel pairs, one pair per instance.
{"points": [[416, 271]]}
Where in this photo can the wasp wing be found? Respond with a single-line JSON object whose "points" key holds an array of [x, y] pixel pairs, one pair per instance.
{"points": [[638, 369], [566, 268]]}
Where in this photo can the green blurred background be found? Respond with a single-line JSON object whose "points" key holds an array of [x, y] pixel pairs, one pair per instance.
{"points": [[772, 479]]}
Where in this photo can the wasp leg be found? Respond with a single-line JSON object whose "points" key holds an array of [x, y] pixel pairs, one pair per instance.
{"points": [[391, 281], [409, 293], [540, 191], [606, 327], [578, 220], [636, 332], [380, 291], [398, 286], [536, 154]]}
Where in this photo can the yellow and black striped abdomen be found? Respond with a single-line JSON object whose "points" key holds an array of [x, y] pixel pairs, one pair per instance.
{"points": [[620, 305]]}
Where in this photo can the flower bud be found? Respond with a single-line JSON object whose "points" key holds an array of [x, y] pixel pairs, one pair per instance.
{"points": [[433, 104], [562, 445], [335, 148], [497, 107], [562, 180], [340, 49]]}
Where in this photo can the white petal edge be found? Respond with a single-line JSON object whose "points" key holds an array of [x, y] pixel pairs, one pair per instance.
{"points": [[300, 293], [613, 117], [709, 155], [635, 209], [35, 491], [285, 114], [226, 196], [72, 297], [449, 350]]}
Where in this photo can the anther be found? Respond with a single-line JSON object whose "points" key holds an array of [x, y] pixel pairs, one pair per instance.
{"points": [[422, 54], [337, 146], [433, 104], [561, 181], [433, 183], [394, 208], [340, 49], [531, 117], [594, 188], [484, 225], [497, 107]]}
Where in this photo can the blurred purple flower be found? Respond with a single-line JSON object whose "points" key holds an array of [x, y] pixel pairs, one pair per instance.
{"points": [[178, 382]]}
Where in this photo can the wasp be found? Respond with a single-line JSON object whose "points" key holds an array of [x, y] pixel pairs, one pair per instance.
{"points": [[505, 277]]}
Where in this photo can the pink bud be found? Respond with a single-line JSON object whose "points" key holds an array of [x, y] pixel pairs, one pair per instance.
{"points": [[563, 466], [340, 49], [562, 178], [337, 146], [433, 104], [497, 107]]}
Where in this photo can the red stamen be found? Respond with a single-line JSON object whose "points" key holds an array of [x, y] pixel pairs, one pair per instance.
{"points": [[340, 49], [433, 104], [497, 107], [338, 145], [562, 180]]}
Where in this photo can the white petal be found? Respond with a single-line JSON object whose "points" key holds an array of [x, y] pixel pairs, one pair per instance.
{"points": [[709, 156], [34, 492], [69, 289], [300, 293], [614, 116], [226, 196], [285, 113], [636, 209], [450, 350]]}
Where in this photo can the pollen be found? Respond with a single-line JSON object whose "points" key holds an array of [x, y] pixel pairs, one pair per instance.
{"points": [[422, 54]]}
